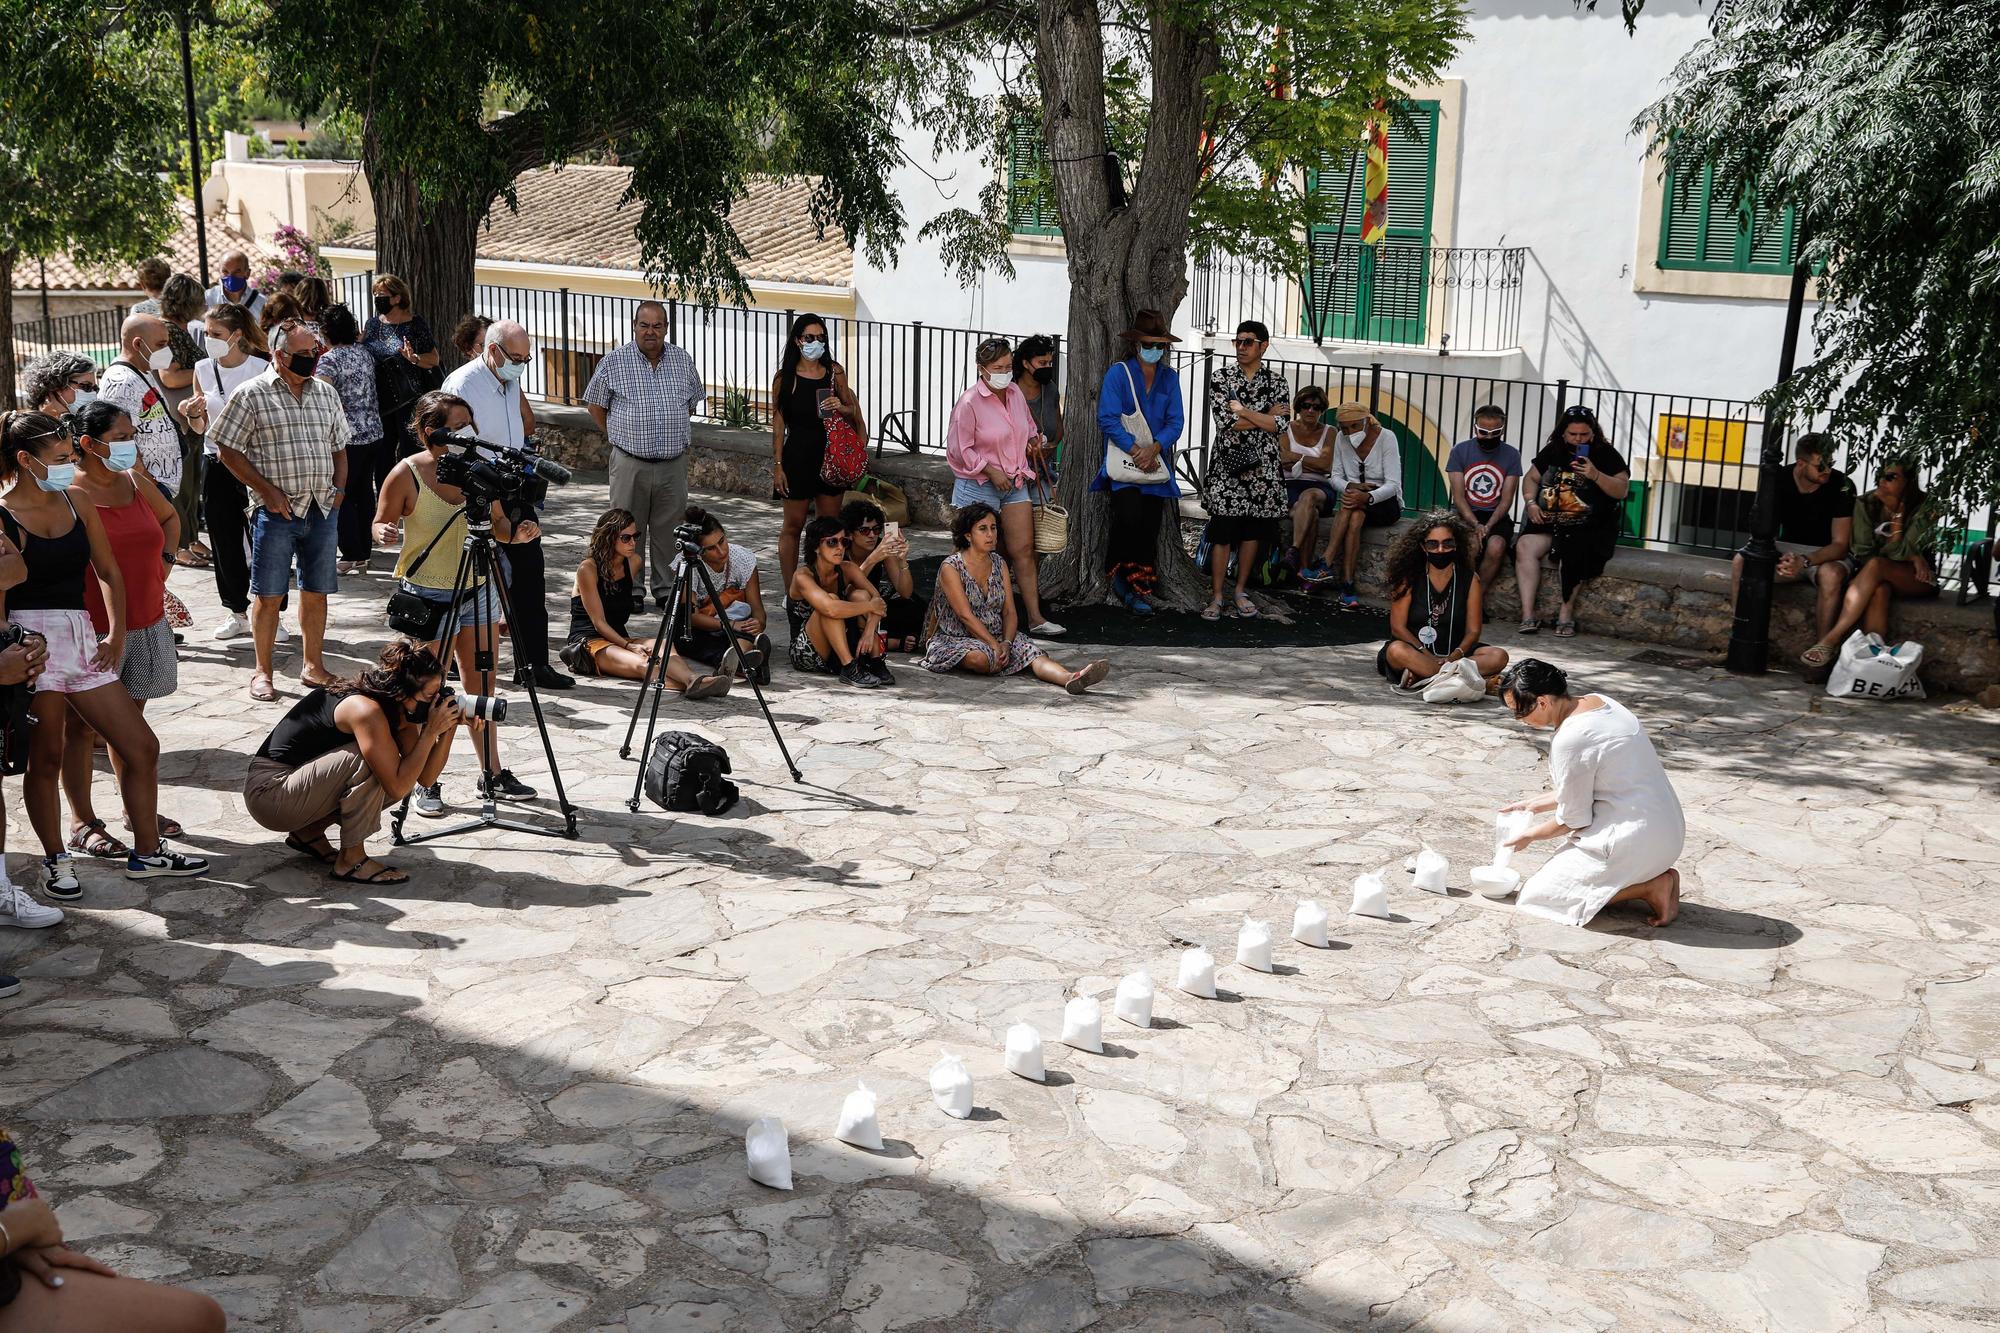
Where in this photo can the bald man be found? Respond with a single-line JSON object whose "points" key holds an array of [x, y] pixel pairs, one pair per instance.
{"points": [[234, 289], [133, 383]]}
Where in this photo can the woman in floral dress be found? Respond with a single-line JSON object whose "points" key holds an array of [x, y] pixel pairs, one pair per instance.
{"points": [[977, 626], [1243, 493]]}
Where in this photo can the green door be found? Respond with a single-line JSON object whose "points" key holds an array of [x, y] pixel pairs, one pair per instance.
{"points": [[1376, 293]]}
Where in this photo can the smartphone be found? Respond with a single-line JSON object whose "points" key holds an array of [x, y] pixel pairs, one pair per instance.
{"points": [[891, 530]]}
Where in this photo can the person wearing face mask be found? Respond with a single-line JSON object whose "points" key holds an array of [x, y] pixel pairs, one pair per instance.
{"points": [[234, 286], [141, 527], [1368, 473], [1305, 456], [181, 308], [284, 435], [492, 387], [1142, 385], [1613, 805], [1437, 608], [809, 388], [1577, 484], [406, 358], [988, 446], [1035, 376], [431, 518], [132, 383], [351, 371], [1485, 475], [237, 354], [347, 749], [62, 542], [59, 383]]}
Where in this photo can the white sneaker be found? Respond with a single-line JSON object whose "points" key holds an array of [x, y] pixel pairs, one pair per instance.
{"points": [[284, 635], [1048, 629], [18, 909], [236, 627]]}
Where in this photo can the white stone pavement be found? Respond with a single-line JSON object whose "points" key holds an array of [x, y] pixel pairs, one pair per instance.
{"points": [[511, 1095]]}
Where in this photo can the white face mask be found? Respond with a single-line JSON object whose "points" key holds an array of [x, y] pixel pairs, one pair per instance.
{"points": [[1000, 380], [162, 358], [216, 347]]}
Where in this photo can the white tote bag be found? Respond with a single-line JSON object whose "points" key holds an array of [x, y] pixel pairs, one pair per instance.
{"points": [[1459, 683], [1868, 668], [1118, 464]]}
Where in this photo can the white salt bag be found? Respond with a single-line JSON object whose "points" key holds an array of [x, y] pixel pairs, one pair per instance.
{"points": [[1134, 1002], [857, 1120], [1507, 826], [1253, 945], [1083, 1024], [1371, 897], [1198, 973], [1024, 1052], [768, 1149], [951, 1086], [1432, 867], [1309, 924]]}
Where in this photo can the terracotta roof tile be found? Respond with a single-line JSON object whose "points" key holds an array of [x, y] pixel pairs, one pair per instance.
{"points": [[180, 251], [573, 216]]}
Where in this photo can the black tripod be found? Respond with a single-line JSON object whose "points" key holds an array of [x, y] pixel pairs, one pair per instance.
{"points": [[477, 571], [680, 617]]}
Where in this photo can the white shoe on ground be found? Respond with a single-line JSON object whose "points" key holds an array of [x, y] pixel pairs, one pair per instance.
{"points": [[18, 909], [236, 627]]}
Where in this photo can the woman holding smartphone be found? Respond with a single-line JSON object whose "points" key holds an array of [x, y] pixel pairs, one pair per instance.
{"points": [[1577, 488], [990, 446], [810, 387]]}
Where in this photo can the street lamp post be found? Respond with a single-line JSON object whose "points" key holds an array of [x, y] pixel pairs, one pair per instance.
{"points": [[194, 143], [1750, 636]]}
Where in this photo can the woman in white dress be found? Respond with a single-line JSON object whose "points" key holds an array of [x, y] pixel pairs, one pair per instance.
{"points": [[1613, 805]]}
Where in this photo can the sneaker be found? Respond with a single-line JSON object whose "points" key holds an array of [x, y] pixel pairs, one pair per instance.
{"points": [[1315, 575], [18, 909], [1348, 601], [9, 986], [60, 883], [166, 863], [878, 667], [430, 801], [284, 635], [235, 627], [351, 566], [859, 676], [506, 787]]}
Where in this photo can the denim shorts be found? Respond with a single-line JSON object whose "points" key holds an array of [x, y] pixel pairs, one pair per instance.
{"points": [[276, 544], [965, 491], [477, 608]]}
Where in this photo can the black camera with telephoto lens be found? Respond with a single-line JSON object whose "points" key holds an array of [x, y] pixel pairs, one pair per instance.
{"points": [[514, 475]]}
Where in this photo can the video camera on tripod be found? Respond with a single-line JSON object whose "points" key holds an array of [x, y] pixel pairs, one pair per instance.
{"points": [[516, 476]]}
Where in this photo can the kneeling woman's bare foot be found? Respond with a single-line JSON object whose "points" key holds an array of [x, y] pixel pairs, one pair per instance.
{"points": [[1665, 898]]}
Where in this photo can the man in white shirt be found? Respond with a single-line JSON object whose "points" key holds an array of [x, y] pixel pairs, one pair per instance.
{"points": [[491, 387], [133, 383], [234, 289]]}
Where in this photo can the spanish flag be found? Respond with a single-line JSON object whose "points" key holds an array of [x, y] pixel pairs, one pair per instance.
{"points": [[1375, 190]]}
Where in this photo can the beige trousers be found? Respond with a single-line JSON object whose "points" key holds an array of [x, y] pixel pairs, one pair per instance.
{"points": [[338, 784]]}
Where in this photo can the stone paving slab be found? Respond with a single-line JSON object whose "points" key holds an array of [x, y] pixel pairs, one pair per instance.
{"points": [[512, 1094]]}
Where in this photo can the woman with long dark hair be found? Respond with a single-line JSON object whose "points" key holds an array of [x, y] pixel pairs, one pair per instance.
{"points": [[600, 613], [1035, 372], [349, 748], [237, 354], [834, 612], [1437, 608], [810, 388], [1895, 539], [1576, 491], [977, 627], [990, 446]]}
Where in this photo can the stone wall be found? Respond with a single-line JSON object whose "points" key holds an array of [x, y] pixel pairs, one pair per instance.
{"points": [[1664, 598]]}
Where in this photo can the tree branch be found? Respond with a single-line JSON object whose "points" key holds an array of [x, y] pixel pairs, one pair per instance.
{"points": [[888, 26]]}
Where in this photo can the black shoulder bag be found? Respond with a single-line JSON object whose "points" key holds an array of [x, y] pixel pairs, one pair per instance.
{"points": [[413, 617]]}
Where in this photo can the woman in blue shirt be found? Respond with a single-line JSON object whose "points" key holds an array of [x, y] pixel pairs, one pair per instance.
{"points": [[1142, 383]]}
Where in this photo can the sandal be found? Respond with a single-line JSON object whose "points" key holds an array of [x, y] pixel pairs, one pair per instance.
{"points": [[1093, 673], [1818, 655], [187, 559], [383, 874], [1245, 608], [1565, 629], [708, 687], [313, 682], [200, 549], [1213, 611], [169, 828], [261, 689], [324, 855], [93, 839], [1529, 625]]}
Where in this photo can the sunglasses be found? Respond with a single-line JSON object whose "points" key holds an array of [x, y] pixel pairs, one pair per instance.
{"points": [[1248, 342], [1440, 546], [628, 536], [1310, 407], [833, 541], [868, 530]]}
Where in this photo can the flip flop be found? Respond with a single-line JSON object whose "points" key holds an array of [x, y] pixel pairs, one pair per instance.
{"points": [[261, 689], [1092, 673], [304, 848], [383, 875], [1245, 608]]}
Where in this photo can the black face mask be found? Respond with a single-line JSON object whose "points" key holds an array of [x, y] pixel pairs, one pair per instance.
{"points": [[1441, 559], [1486, 441], [383, 305], [1045, 374], [419, 712], [302, 364]]}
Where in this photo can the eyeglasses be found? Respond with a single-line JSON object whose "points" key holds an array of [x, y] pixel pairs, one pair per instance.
{"points": [[518, 360], [1440, 546]]}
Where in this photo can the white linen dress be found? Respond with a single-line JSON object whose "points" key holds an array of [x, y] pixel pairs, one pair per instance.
{"points": [[1614, 794]]}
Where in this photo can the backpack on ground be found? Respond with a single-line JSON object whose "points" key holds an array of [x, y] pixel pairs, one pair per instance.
{"points": [[685, 772]]}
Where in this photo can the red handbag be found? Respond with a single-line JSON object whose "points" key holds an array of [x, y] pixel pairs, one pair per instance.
{"points": [[846, 456]]}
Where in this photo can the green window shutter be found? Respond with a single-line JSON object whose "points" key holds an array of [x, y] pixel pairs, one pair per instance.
{"points": [[1680, 228], [1378, 293], [1723, 235], [1031, 207], [1772, 242], [1706, 225]]}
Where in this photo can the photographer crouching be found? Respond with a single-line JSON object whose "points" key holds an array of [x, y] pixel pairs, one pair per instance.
{"points": [[345, 751]]}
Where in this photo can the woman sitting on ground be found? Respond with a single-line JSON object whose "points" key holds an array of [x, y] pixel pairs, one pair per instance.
{"points": [[46, 1287], [713, 632], [835, 615], [347, 749], [601, 608], [977, 627], [142, 527], [1895, 533], [1614, 807], [885, 561], [1436, 605]]}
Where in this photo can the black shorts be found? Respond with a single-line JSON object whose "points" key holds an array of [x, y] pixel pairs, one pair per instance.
{"points": [[1503, 526], [1224, 530]]}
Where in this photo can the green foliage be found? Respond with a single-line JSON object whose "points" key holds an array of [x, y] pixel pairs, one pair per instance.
{"points": [[1880, 125]]}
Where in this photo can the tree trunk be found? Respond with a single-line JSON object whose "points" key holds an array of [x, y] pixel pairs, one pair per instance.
{"points": [[1119, 262], [7, 386], [432, 245]]}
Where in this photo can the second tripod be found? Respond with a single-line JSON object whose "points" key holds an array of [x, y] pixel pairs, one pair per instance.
{"points": [[676, 626]]}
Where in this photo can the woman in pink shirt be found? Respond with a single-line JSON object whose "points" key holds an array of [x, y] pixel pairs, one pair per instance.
{"points": [[987, 446]]}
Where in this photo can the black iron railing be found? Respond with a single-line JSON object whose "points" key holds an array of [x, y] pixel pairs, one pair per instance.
{"points": [[1449, 298]]}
